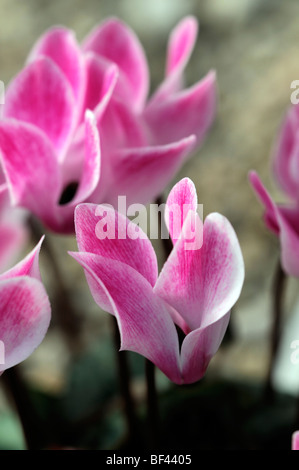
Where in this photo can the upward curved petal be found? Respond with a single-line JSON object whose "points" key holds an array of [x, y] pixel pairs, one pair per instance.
{"points": [[203, 282], [142, 173], [283, 221], [180, 45], [12, 240], [41, 95], [188, 112], [60, 45], [89, 172], [144, 321], [283, 155], [29, 266], [115, 41], [270, 214], [181, 42], [181, 199], [101, 76], [25, 315]]}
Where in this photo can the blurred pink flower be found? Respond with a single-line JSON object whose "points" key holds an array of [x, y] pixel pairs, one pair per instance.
{"points": [[13, 230], [52, 155], [194, 291], [295, 440], [24, 310], [283, 219]]}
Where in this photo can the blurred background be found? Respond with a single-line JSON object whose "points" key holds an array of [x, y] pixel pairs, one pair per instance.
{"points": [[253, 46]]}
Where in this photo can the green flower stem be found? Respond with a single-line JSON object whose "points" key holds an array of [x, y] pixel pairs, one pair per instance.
{"points": [[152, 406], [279, 286]]}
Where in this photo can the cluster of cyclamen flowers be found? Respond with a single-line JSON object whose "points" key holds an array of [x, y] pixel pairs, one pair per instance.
{"points": [[78, 130]]}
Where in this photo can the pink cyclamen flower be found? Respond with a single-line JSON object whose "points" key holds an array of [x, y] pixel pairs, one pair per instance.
{"points": [[25, 310], [13, 230], [55, 155], [283, 219], [295, 440], [194, 291]]}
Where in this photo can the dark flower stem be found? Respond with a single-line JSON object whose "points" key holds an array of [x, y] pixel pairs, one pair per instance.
{"points": [[125, 386], [153, 420], [166, 242], [34, 432], [70, 324], [279, 286], [63, 311], [152, 406]]}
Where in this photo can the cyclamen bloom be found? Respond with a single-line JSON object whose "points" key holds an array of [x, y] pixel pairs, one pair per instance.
{"points": [[25, 310], [55, 156], [194, 292], [283, 219]]}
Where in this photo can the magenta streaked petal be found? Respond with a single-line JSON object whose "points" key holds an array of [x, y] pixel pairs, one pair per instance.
{"points": [[270, 214], [142, 173], [30, 167], [93, 222], [288, 221], [101, 76], [181, 199], [121, 128], [180, 45], [283, 221], [60, 45], [203, 284], [29, 266], [144, 321], [283, 154], [90, 173], [82, 179], [198, 348], [188, 112], [181, 42], [41, 95], [116, 42], [25, 315]]}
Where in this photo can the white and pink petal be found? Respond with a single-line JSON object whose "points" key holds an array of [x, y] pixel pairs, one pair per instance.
{"points": [[25, 315], [144, 321], [181, 200], [204, 274]]}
